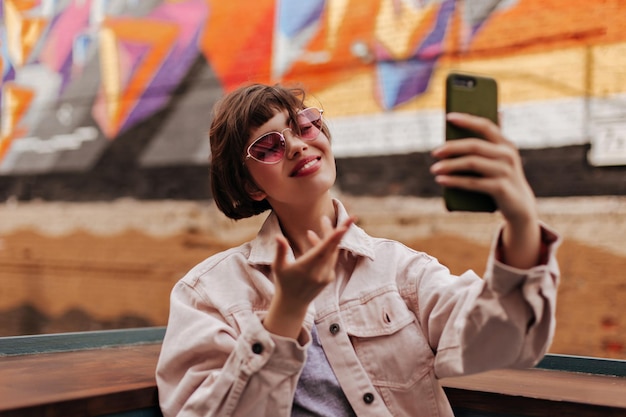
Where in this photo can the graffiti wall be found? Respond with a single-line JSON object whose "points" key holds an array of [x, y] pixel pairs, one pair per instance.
{"points": [[77, 74], [112, 90], [105, 99]]}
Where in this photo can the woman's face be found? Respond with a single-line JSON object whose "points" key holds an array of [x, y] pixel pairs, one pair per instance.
{"points": [[305, 173]]}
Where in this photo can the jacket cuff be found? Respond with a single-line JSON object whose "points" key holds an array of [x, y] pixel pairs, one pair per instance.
{"points": [[503, 278], [259, 348]]}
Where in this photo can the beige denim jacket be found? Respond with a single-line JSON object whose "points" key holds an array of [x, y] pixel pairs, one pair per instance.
{"points": [[392, 324]]}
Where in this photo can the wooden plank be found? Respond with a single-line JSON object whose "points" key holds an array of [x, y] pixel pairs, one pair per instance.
{"points": [[121, 379], [467, 403], [547, 385], [87, 382]]}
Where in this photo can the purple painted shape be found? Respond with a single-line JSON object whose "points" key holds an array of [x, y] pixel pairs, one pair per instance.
{"points": [[401, 81], [381, 53], [434, 39], [135, 52], [475, 29], [65, 71], [165, 80], [9, 75], [63, 30], [190, 17]]}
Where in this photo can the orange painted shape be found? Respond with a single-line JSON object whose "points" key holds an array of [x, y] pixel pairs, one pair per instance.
{"points": [[17, 101], [406, 29], [255, 64], [5, 142], [31, 32], [160, 38], [232, 37], [23, 32], [357, 26], [544, 25], [22, 5]]}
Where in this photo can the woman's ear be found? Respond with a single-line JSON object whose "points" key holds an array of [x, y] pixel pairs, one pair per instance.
{"points": [[254, 192]]}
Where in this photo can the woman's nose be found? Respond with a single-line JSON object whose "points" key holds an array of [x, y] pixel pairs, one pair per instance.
{"points": [[294, 144]]}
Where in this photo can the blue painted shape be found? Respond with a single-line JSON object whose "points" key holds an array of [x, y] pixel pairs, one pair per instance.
{"points": [[400, 81], [7, 69], [294, 16]]}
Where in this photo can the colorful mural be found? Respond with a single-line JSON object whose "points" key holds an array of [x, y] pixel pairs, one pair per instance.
{"points": [[78, 74]]}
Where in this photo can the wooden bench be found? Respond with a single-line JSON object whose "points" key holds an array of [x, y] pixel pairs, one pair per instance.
{"points": [[112, 374]]}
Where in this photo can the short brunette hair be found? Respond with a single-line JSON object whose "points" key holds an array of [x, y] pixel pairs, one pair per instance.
{"points": [[235, 116]]}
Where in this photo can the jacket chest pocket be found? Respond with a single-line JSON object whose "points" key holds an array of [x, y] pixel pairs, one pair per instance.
{"points": [[388, 340]]}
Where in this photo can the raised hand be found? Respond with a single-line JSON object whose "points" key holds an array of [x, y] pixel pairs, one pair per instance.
{"points": [[298, 283], [501, 175]]}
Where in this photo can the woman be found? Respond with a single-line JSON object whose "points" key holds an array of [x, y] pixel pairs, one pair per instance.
{"points": [[316, 318]]}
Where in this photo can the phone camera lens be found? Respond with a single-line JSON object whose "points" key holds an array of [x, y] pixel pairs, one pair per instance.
{"points": [[470, 83]]}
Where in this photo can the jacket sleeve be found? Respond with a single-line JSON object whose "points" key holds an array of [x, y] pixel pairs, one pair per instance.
{"points": [[210, 366], [505, 320]]}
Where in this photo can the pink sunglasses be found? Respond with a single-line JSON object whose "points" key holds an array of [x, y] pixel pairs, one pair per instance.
{"points": [[270, 148]]}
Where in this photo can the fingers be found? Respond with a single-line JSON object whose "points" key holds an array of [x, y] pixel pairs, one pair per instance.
{"points": [[484, 128], [481, 158], [300, 281], [326, 227], [493, 145], [341, 229], [328, 231], [495, 161], [493, 156], [474, 146], [492, 171], [313, 237], [321, 246], [491, 186], [331, 236], [281, 252]]}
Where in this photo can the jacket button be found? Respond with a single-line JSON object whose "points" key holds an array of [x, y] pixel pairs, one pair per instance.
{"points": [[334, 328], [368, 398], [257, 348]]}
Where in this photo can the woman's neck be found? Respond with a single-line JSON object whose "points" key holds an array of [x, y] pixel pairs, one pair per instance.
{"points": [[295, 222]]}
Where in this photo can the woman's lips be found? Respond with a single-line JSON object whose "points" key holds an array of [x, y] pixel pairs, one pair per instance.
{"points": [[306, 166]]}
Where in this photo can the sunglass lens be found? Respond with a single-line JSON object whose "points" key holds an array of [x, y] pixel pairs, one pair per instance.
{"points": [[309, 123], [269, 148]]}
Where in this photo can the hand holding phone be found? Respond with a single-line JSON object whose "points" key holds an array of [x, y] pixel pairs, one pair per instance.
{"points": [[476, 95], [481, 170]]}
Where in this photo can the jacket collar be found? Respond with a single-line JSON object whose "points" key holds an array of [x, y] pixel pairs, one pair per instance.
{"points": [[263, 246]]}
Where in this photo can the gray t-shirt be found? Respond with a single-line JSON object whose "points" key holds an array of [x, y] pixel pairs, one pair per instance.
{"points": [[318, 393]]}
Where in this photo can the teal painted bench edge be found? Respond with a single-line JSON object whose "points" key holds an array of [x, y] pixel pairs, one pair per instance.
{"points": [[584, 364], [64, 342], [144, 412]]}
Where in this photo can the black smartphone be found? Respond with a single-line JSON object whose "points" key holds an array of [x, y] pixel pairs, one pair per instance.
{"points": [[477, 95]]}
